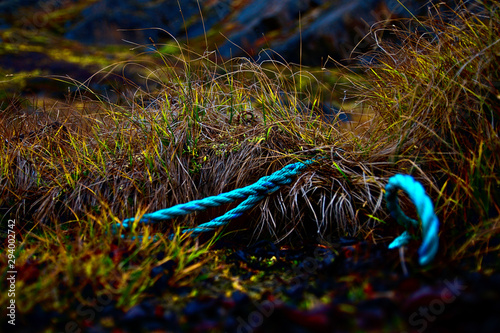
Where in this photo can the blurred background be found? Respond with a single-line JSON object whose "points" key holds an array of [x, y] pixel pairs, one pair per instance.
{"points": [[89, 41]]}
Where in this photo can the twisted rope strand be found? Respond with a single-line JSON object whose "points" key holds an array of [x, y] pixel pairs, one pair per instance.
{"points": [[255, 192], [234, 213]]}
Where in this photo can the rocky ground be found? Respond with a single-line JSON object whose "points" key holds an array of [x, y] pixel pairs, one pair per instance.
{"points": [[344, 287]]}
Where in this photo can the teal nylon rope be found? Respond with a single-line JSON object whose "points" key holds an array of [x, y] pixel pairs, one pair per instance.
{"points": [[425, 210], [251, 193], [269, 184]]}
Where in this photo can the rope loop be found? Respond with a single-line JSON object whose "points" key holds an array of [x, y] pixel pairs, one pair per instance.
{"points": [[425, 210]]}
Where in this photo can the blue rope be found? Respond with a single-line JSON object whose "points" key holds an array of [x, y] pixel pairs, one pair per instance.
{"points": [[253, 194], [269, 184], [425, 210]]}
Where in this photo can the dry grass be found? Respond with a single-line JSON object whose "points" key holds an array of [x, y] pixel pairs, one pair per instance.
{"points": [[435, 97], [210, 129], [69, 170]]}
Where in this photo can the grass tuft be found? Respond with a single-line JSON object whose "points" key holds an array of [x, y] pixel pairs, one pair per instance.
{"points": [[434, 96]]}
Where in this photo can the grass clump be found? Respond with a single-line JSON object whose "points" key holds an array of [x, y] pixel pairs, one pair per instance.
{"points": [[81, 263], [207, 129], [435, 96], [201, 126]]}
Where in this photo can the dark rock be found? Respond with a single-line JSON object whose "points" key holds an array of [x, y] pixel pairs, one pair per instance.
{"points": [[376, 313], [263, 249], [240, 298], [199, 308], [113, 21], [333, 29], [137, 313], [261, 17], [346, 241], [171, 320], [238, 255]]}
